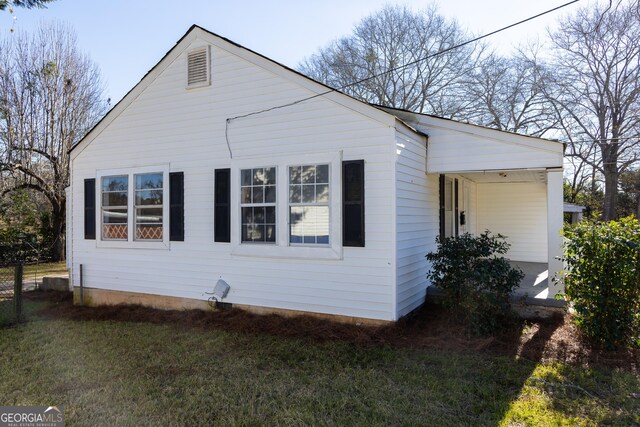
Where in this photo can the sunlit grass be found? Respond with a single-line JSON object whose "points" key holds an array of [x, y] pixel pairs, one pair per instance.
{"points": [[556, 394], [44, 269]]}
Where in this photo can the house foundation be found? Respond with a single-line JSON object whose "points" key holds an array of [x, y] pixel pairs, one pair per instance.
{"points": [[93, 297]]}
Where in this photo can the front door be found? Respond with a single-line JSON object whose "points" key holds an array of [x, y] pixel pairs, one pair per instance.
{"points": [[449, 225]]}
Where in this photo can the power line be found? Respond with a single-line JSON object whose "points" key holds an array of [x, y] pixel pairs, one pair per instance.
{"points": [[440, 52], [599, 141]]}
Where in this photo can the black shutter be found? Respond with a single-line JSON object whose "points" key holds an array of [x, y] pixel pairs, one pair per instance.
{"points": [[176, 206], [90, 208], [442, 199], [222, 205], [456, 206], [353, 203]]}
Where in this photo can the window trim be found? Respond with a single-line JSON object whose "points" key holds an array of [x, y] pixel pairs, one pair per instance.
{"points": [[282, 248], [131, 242]]}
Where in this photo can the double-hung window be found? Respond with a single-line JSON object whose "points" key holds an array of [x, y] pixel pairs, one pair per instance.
{"points": [[133, 208], [115, 203], [309, 204], [292, 208], [148, 206], [258, 205]]}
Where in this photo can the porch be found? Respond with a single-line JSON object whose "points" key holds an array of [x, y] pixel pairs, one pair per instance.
{"points": [[525, 206]]}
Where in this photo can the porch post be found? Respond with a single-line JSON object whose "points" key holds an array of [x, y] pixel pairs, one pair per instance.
{"points": [[554, 225]]}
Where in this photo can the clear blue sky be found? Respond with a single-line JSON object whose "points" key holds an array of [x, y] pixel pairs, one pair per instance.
{"points": [[127, 38]]}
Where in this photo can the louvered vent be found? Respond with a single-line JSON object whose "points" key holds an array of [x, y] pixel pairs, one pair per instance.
{"points": [[198, 68]]}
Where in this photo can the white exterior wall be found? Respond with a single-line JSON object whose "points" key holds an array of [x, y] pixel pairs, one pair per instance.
{"points": [[184, 130], [417, 220], [518, 211]]}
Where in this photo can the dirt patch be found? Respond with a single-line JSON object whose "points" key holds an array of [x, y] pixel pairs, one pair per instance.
{"points": [[555, 339]]}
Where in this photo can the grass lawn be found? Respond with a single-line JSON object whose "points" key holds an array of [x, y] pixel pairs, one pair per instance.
{"points": [[114, 372], [45, 269]]}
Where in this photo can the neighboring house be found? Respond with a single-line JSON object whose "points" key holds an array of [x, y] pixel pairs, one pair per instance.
{"points": [[325, 206]]}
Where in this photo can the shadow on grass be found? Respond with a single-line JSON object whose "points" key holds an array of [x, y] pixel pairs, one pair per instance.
{"points": [[7, 312]]}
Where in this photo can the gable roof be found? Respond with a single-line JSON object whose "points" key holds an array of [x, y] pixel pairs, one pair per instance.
{"points": [[380, 113], [409, 115], [195, 31]]}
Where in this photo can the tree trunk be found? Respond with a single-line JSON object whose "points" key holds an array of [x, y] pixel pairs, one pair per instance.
{"points": [[58, 231], [611, 176]]}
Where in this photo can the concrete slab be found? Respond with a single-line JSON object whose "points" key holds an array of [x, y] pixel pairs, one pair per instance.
{"points": [[536, 280], [55, 283]]}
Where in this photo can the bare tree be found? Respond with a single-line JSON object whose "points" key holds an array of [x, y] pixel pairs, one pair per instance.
{"points": [[507, 93], [382, 43], [50, 96], [29, 4], [596, 93]]}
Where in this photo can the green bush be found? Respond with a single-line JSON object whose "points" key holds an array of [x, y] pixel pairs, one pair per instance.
{"points": [[25, 233], [476, 282], [602, 279]]}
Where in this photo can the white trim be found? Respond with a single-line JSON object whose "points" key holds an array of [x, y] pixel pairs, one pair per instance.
{"points": [[282, 248], [131, 243], [555, 222]]}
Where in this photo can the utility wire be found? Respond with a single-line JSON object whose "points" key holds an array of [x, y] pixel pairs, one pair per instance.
{"points": [[400, 67], [599, 141]]}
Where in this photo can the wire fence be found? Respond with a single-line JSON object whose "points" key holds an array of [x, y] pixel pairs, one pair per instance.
{"points": [[10, 293]]}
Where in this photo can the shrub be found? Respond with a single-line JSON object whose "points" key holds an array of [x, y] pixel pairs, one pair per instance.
{"points": [[602, 279], [476, 282]]}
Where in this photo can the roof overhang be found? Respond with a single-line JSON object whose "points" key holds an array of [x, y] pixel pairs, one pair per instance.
{"points": [[462, 147]]}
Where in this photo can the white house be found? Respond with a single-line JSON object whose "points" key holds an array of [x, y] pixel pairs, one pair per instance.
{"points": [[223, 164]]}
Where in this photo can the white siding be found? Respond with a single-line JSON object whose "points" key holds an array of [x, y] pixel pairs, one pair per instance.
{"points": [[451, 151], [416, 220], [169, 125], [461, 147], [518, 211]]}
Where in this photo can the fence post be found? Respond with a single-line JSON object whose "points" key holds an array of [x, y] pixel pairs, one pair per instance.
{"points": [[81, 287], [17, 291]]}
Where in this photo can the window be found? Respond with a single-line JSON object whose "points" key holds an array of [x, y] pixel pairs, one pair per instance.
{"points": [[288, 208], [148, 206], [115, 196], [309, 204], [135, 207], [258, 205]]}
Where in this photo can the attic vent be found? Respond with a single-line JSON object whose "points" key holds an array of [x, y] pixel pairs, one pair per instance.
{"points": [[198, 67]]}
